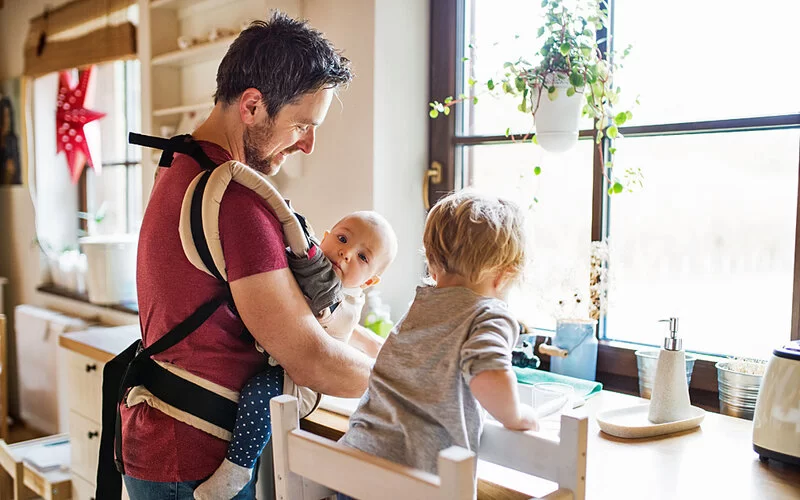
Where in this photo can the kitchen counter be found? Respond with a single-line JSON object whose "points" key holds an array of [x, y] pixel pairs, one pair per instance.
{"points": [[714, 461]]}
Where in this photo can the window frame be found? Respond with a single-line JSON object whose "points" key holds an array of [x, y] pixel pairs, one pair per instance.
{"points": [[129, 163], [616, 363]]}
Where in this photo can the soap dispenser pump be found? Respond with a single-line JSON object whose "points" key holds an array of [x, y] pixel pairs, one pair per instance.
{"points": [[669, 401]]}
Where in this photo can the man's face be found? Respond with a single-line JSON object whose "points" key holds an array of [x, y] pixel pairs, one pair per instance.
{"points": [[268, 143]]}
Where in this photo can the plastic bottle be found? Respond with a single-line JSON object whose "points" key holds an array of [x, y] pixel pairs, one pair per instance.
{"points": [[669, 401], [378, 317]]}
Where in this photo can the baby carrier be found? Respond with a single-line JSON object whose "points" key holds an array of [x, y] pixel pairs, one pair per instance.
{"points": [[134, 377]]}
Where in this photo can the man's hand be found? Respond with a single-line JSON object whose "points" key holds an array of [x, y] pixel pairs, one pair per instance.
{"points": [[276, 313], [366, 341]]}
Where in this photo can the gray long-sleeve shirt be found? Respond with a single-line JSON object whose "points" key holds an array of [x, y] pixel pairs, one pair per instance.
{"points": [[418, 401]]}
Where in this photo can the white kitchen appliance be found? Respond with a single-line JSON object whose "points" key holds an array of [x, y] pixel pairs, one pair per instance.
{"points": [[776, 424]]}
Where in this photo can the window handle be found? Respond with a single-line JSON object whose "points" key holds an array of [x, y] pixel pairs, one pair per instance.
{"points": [[432, 175]]}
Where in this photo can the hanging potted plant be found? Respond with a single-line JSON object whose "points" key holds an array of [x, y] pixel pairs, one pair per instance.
{"points": [[569, 77]]}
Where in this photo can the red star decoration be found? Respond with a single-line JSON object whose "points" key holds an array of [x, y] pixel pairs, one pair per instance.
{"points": [[71, 116]]}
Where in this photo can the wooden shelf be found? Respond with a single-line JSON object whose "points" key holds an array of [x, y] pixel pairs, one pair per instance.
{"points": [[198, 53], [179, 110], [157, 4], [187, 5]]}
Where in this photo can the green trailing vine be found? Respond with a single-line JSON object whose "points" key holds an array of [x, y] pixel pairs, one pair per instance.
{"points": [[570, 52]]}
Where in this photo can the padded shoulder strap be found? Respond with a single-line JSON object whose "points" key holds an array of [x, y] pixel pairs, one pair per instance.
{"points": [[218, 181]]}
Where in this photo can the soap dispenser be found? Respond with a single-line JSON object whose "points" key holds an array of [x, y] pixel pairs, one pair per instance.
{"points": [[669, 401]]}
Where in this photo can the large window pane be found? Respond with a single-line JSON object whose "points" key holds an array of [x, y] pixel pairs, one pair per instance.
{"points": [[712, 59], [496, 33], [710, 240], [558, 224]]}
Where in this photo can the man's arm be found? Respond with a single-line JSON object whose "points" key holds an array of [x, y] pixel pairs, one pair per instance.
{"points": [[276, 313]]}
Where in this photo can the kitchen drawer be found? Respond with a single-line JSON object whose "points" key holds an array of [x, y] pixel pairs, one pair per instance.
{"points": [[84, 437], [85, 385], [82, 489]]}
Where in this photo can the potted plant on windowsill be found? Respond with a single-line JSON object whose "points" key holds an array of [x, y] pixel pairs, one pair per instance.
{"points": [[570, 77]]}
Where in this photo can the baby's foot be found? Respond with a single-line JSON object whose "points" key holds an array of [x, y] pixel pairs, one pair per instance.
{"points": [[224, 483]]}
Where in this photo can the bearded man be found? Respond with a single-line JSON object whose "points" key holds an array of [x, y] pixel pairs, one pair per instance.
{"points": [[274, 88]]}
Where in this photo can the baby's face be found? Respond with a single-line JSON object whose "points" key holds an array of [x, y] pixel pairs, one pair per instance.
{"points": [[357, 250]]}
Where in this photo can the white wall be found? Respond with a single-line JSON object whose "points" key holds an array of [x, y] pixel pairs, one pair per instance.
{"points": [[371, 150]]}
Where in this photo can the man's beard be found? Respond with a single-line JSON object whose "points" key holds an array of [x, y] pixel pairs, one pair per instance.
{"points": [[254, 137]]}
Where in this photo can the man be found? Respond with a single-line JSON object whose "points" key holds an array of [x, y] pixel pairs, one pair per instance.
{"points": [[274, 88]]}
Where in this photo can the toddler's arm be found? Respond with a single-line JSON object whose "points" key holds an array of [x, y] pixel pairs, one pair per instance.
{"points": [[496, 391]]}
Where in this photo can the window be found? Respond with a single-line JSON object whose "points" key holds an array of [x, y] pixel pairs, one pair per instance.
{"points": [[711, 238], [106, 200]]}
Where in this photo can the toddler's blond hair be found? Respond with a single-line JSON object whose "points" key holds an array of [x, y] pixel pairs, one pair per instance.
{"points": [[471, 234]]}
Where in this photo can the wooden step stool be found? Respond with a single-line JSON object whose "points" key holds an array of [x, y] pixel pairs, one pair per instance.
{"points": [[21, 480]]}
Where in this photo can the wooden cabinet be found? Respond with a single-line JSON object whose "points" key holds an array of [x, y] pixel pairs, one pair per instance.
{"points": [[84, 356]]}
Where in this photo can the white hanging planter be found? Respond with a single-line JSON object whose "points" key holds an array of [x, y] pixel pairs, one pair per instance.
{"points": [[557, 120]]}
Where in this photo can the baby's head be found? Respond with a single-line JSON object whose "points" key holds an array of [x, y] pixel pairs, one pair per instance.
{"points": [[360, 246], [475, 236]]}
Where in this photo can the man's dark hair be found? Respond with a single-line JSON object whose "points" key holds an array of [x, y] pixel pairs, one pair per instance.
{"points": [[284, 59]]}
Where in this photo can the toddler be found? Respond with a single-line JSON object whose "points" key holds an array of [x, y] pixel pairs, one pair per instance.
{"points": [[450, 356], [359, 248]]}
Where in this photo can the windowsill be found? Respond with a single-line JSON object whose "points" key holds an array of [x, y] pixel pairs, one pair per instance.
{"points": [[617, 371], [125, 307]]}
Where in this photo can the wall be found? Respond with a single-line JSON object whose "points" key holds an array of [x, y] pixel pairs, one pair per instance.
{"points": [[372, 149]]}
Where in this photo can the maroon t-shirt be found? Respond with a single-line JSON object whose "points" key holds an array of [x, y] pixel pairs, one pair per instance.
{"points": [[156, 447]]}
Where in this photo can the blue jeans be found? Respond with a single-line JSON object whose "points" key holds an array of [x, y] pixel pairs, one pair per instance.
{"points": [[139, 489]]}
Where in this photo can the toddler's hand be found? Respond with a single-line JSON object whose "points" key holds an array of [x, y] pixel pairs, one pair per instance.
{"points": [[527, 419]]}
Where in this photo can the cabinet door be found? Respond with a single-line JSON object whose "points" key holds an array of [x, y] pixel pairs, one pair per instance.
{"points": [[84, 437], [85, 385], [82, 489]]}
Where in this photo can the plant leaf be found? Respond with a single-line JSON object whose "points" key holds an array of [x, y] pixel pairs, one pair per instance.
{"points": [[490, 84], [564, 49], [537, 170], [433, 113]]}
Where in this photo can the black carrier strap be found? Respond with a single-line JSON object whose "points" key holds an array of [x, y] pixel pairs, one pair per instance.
{"points": [[135, 366], [179, 144], [186, 144], [198, 235]]}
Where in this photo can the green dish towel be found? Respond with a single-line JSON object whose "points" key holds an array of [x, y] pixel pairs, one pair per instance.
{"points": [[584, 388]]}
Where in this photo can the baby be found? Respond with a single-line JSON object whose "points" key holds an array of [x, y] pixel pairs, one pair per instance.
{"points": [[359, 247], [450, 356]]}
